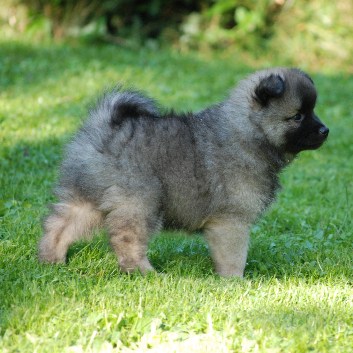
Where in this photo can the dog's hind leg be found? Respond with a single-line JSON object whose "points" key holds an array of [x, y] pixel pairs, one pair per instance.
{"points": [[129, 237], [69, 222], [130, 221]]}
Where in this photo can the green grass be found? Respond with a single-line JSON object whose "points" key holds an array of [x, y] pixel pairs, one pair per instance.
{"points": [[297, 293]]}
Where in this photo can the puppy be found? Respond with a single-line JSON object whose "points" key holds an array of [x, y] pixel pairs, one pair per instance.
{"points": [[133, 170]]}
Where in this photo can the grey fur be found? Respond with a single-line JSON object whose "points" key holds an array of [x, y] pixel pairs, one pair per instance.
{"points": [[132, 169]]}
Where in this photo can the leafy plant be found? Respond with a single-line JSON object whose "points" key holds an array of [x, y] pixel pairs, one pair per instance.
{"points": [[245, 23]]}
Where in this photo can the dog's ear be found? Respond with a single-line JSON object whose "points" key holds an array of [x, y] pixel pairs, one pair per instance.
{"points": [[272, 86]]}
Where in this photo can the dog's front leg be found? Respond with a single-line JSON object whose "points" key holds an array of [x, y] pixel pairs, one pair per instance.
{"points": [[228, 240]]}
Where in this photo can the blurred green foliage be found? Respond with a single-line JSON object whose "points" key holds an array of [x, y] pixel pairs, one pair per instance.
{"points": [[318, 32]]}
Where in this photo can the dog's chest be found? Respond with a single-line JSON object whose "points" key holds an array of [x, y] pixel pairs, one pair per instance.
{"points": [[249, 192]]}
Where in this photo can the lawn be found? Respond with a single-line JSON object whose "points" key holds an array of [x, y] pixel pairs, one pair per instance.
{"points": [[297, 292]]}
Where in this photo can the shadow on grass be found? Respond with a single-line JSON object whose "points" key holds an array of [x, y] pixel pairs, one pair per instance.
{"points": [[26, 66]]}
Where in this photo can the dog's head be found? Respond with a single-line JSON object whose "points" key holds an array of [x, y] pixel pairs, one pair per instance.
{"points": [[283, 103]]}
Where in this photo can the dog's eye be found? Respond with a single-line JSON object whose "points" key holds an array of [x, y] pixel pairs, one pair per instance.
{"points": [[298, 117]]}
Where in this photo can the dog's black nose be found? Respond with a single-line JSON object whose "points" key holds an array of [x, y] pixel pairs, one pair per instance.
{"points": [[324, 130]]}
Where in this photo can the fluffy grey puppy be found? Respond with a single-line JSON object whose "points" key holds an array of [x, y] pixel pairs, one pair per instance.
{"points": [[133, 169]]}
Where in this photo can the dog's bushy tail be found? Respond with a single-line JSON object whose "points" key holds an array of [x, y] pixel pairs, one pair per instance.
{"points": [[117, 106]]}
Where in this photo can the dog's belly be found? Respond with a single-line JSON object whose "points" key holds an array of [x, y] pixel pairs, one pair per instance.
{"points": [[178, 222], [188, 214]]}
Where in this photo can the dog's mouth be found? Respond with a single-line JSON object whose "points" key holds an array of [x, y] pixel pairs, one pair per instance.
{"points": [[313, 145]]}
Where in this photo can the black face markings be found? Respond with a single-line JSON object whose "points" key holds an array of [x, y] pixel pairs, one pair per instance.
{"points": [[308, 133], [308, 96], [272, 86], [308, 136]]}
